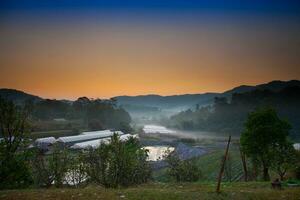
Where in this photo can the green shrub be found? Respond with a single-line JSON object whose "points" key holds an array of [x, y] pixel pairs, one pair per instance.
{"points": [[182, 170], [50, 169], [118, 163]]}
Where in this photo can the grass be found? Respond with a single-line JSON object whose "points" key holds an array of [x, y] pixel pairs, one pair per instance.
{"points": [[159, 191]]}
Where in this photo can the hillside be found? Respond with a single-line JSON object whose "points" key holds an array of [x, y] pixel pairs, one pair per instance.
{"points": [[18, 96], [230, 116], [178, 103], [273, 86], [167, 102]]}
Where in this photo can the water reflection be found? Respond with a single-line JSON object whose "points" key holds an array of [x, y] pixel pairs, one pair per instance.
{"points": [[158, 152]]}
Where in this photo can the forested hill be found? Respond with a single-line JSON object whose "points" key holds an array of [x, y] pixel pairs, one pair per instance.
{"points": [[186, 100], [18, 96], [229, 116], [274, 86]]}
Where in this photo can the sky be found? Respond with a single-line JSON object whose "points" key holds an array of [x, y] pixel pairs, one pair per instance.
{"points": [[65, 49]]}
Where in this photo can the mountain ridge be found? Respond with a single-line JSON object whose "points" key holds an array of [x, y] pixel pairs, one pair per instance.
{"points": [[168, 101]]}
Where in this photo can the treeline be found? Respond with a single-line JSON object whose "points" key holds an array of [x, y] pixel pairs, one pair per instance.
{"points": [[95, 114], [229, 115]]}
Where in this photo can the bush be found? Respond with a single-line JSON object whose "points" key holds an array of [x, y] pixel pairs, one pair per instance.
{"points": [[182, 170], [76, 174], [118, 163], [50, 169], [15, 171]]}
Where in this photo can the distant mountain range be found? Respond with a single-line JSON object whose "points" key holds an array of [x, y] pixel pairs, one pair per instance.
{"points": [[190, 100], [180, 102], [274, 86]]}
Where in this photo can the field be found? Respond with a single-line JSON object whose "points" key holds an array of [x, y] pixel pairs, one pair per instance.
{"points": [[210, 165], [159, 191]]}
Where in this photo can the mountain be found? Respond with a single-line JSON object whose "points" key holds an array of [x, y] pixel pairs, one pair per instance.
{"points": [[273, 86], [186, 101], [172, 103], [17, 96], [167, 102]]}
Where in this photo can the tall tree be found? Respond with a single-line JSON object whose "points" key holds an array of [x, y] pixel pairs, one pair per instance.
{"points": [[264, 131], [14, 129], [284, 159]]}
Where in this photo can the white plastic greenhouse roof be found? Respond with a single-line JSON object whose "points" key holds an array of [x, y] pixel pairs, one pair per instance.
{"points": [[97, 143], [89, 136], [127, 136], [90, 144], [105, 133], [156, 129], [49, 140]]}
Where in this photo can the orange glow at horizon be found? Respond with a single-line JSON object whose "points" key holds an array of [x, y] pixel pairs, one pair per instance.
{"points": [[106, 61]]}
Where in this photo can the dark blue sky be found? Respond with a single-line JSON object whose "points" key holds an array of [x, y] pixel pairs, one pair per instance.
{"points": [[253, 6]]}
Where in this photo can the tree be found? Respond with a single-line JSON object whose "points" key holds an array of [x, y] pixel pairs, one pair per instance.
{"points": [[182, 170], [96, 164], [119, 163], [297, 165], [284, 158], [50, 169], [14, 129], [95, 125], [76, 174], [264, 131]]}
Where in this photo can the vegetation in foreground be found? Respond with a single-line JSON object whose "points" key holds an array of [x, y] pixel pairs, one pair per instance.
{"points": [[123, 164], [232, 191]]}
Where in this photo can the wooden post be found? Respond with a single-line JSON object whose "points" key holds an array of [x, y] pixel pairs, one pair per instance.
{"points": [[223, 166], [243, 157]]}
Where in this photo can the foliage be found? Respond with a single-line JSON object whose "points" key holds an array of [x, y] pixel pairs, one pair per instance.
{"points": [[95, 124], [296, 170], [96, 114], [118, 163], [50, 109], [49, 169], [14, 129], [284, 159], [264, 131], [182, 170], [76, 174]]}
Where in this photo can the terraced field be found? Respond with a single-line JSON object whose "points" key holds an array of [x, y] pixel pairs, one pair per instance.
{"points": [[211, 162], [210, 166]]}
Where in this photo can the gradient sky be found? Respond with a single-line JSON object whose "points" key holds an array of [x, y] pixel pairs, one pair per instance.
{"points": [[104, 48]]}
